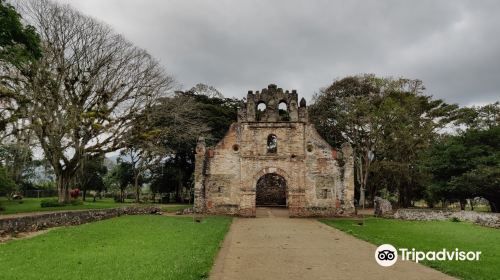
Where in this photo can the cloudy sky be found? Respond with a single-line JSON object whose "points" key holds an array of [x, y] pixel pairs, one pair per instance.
{"points": [[453, 46]]}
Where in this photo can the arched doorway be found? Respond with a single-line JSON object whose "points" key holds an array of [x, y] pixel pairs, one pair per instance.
{"points": [[271, 190]]}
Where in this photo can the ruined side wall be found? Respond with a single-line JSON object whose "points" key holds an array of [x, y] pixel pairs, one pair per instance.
{"points": [[327, 183], [223, 175], [323, 184]]}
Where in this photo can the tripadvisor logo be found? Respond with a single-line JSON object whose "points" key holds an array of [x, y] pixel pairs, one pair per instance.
{"points": [[387, 255]]}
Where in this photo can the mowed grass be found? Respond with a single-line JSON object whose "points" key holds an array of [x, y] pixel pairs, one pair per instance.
{"points": [[33, 205], [128, 247], [434, 236]]}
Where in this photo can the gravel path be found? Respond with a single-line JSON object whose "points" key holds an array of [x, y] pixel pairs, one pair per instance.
{"points": [[273, 246]]}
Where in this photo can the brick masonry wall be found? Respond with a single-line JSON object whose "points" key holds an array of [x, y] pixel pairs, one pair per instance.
{"points": [[39, 221], [484, 219]]}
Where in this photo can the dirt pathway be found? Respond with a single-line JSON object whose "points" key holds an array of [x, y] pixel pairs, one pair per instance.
{"points": [[273, 246]]}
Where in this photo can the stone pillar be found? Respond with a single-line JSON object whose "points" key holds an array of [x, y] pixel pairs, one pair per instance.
{"points": [[348, 178], [272, 110], [303, 117], [199, 176], [251, 107], [293, 108]]}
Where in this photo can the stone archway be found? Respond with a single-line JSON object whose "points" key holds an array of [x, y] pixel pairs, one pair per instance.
{"points": [[271, 190]]}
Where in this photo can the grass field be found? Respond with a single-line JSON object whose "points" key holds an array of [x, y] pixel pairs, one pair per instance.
{"points": [[434, 235], [129, 247], [33, 205]]}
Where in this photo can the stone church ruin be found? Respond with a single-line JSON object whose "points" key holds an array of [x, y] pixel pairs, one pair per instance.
{"points": [[272, 156]]}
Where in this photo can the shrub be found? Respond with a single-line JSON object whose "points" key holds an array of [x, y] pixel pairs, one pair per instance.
{"points": [[7, 185], [455, 220], [50, 203], [74, 193], [54, 203]]}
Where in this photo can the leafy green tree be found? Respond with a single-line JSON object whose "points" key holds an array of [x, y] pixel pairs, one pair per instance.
{"points": [[90, 176], [19, 49], [481, 181], [465, 166], [479, 117], [413, 123], [20, 43], [384, 119], [17, 159], [201, 111], [349, 111], [120, 177], [7, 185]]}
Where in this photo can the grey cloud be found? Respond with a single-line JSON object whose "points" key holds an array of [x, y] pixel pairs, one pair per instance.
{"points": [[453, 46]]}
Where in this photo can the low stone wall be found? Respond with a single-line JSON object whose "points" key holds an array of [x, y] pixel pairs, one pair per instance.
{"points": [[484, 219], [39, 221]]}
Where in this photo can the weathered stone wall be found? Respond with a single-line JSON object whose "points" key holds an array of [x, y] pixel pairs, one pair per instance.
{"points": [[41, 221], [484, 219], [226, 175]]}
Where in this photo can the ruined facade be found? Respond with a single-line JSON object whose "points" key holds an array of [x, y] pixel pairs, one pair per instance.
{"points": [[273, 156]]}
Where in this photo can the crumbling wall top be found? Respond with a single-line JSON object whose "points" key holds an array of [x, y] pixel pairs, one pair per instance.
{"points": [[272, 104]]}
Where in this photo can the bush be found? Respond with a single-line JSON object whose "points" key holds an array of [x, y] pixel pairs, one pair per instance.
{"points": [[55, 203], [50, 203], [75, 193], [455, 220], [7, 185]]}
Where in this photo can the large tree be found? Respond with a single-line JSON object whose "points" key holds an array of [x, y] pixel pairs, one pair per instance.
{"points": [[386, 120], [466, 165], [90, 175], [120, 177], [85, 90], [19, 49], [202, 111], [19, 42]]}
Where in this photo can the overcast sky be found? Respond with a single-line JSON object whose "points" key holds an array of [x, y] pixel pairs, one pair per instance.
{"points": [[453, 46]]}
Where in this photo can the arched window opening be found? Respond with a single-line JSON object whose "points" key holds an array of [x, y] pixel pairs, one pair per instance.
{"points": [[272, 144], [261, 108], [283, 111]]}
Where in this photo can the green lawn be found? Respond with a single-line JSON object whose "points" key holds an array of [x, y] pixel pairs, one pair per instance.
{"points": [[128, 247], [434, 235], [33, 205], [172, 208]]}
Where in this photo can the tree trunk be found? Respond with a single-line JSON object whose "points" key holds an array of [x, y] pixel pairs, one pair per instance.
{"points": [[471, 202], [462, 204], [362, 197], [137, 189], [62, 187], [85, 194], [177, 196]]}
